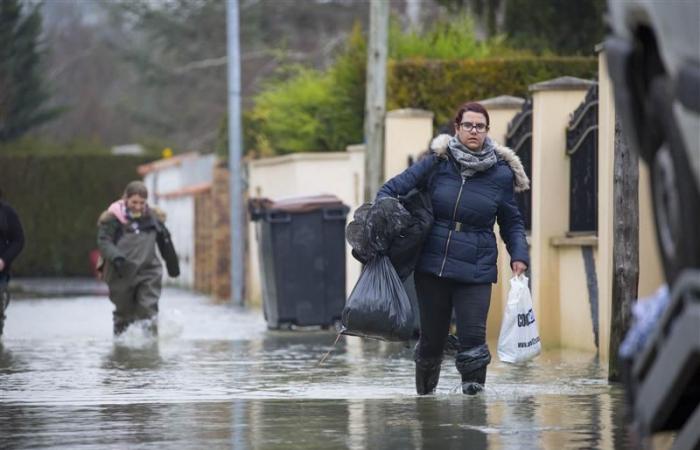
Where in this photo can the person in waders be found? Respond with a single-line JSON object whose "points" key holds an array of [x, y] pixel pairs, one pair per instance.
{"points": [[128, 233], [471, 181], [11, 244]]}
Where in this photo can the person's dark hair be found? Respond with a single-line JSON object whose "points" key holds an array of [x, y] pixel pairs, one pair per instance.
{"points": [[474, 107], [136, 188]]}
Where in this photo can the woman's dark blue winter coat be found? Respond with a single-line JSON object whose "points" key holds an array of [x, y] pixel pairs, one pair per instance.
{"points": [[461, 244]]}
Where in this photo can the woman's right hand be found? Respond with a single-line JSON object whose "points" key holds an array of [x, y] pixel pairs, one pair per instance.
{"points": [[518, 267]]}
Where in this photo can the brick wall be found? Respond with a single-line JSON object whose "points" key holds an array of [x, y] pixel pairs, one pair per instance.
{"points": [[203, 243], [221, 238], [212, 273]]}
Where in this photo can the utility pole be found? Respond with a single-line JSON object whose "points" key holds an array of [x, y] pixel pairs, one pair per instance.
{"points": [[235, 144], [375, 101], [625, 245]]}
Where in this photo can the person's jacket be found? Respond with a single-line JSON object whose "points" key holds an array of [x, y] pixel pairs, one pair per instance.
{"points": [[111, 230], [11, 235], [461, 244]]}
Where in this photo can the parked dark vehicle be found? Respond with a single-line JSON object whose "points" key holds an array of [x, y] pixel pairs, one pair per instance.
{"points": [[654, 62], [11, 245]]}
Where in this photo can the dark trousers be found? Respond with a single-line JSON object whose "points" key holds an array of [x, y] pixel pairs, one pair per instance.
{"points": [[436, 299]]}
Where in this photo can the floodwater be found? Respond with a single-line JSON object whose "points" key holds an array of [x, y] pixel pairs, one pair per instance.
{"points": [[217, 378]]}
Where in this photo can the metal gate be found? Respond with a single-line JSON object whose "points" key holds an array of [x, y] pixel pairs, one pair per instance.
{"points": [[519, 139], [582, 148]]}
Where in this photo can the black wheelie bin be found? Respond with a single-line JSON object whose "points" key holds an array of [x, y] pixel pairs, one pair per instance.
{"points": [[302, 259]]}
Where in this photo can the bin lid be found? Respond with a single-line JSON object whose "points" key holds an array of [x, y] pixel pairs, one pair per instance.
{"points": [[299, 204]]}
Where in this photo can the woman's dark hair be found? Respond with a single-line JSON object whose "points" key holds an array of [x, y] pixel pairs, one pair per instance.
{"points": [[136, 188], [474, 107]]}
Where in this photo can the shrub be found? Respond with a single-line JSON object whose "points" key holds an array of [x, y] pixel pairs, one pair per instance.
{"points": [[309, 110], [441, 86], [58, 199], [448, 40]]}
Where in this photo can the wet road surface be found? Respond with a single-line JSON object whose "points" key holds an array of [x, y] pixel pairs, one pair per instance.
{"points": [[217, 378]]}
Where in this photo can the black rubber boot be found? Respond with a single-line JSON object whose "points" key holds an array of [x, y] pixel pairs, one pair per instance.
{"points": [[471, 364], [427, 375], [473, 382]]}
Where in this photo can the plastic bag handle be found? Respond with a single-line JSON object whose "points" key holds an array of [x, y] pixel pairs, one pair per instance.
{"points": [[518, 282]]}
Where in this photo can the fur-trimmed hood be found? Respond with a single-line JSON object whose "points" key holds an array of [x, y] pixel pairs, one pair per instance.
{"points": [[109, 214], [520, 180]]}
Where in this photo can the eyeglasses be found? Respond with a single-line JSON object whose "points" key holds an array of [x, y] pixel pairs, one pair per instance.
{"points": [[468, 126]]}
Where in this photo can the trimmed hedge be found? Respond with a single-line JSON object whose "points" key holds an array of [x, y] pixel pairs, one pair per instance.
{"points": [[441, 86], [59, 199]]}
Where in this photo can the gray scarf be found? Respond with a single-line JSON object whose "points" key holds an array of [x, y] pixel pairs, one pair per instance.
{"points": [[472, 162]]}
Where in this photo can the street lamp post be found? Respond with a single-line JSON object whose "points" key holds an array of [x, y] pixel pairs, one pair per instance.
{"points": [[235, 151]]}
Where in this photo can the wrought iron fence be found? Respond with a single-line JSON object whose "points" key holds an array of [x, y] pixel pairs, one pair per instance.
{"points": [[519, 139], [582, 147]]}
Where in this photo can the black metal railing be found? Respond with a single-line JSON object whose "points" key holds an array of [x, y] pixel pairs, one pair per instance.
{"points": [[519, 139], [582, 148]]}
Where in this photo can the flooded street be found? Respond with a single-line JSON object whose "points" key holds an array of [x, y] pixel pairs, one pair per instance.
{"points": [[217, 378]]}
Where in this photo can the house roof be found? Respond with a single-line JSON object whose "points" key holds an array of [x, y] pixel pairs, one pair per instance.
{"points": [[161, 164]]}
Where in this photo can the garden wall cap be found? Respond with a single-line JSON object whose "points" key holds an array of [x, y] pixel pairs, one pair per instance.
{"points": [[409, 112], [502, 102], [355, 148], [298, 157], [562, 84]]}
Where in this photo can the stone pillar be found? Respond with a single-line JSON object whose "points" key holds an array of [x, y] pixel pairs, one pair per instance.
{"points": [[606, 158], [501, 110], [408, 133], [553, 103]]}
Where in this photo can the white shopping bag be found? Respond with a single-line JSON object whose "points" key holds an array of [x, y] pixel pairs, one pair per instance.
{"points": [[519, 339]]}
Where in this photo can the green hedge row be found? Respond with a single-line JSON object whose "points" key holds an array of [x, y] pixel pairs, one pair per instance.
{"points": [[441, 86], [59, 199]]}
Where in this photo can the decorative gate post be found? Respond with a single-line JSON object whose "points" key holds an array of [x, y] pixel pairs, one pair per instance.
{"points": [[553, 103]]}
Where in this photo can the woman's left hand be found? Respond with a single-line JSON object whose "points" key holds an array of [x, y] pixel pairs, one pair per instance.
{"points": [[518, 267]]}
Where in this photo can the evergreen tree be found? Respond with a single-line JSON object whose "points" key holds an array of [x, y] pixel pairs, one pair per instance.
{"points": [[23, 93]]}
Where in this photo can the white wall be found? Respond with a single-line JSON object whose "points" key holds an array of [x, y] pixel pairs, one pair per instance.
{"points": [[167, 181], [304, 174], [180, 222]]}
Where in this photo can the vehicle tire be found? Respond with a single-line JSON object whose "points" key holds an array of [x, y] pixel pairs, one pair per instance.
{"points": [[675, 196]]}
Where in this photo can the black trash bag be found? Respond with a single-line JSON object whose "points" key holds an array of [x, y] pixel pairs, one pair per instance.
{"points": [[473, 359], [375, 226], [393, 227], [406, 247], [358, 235], [378, 306]]}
